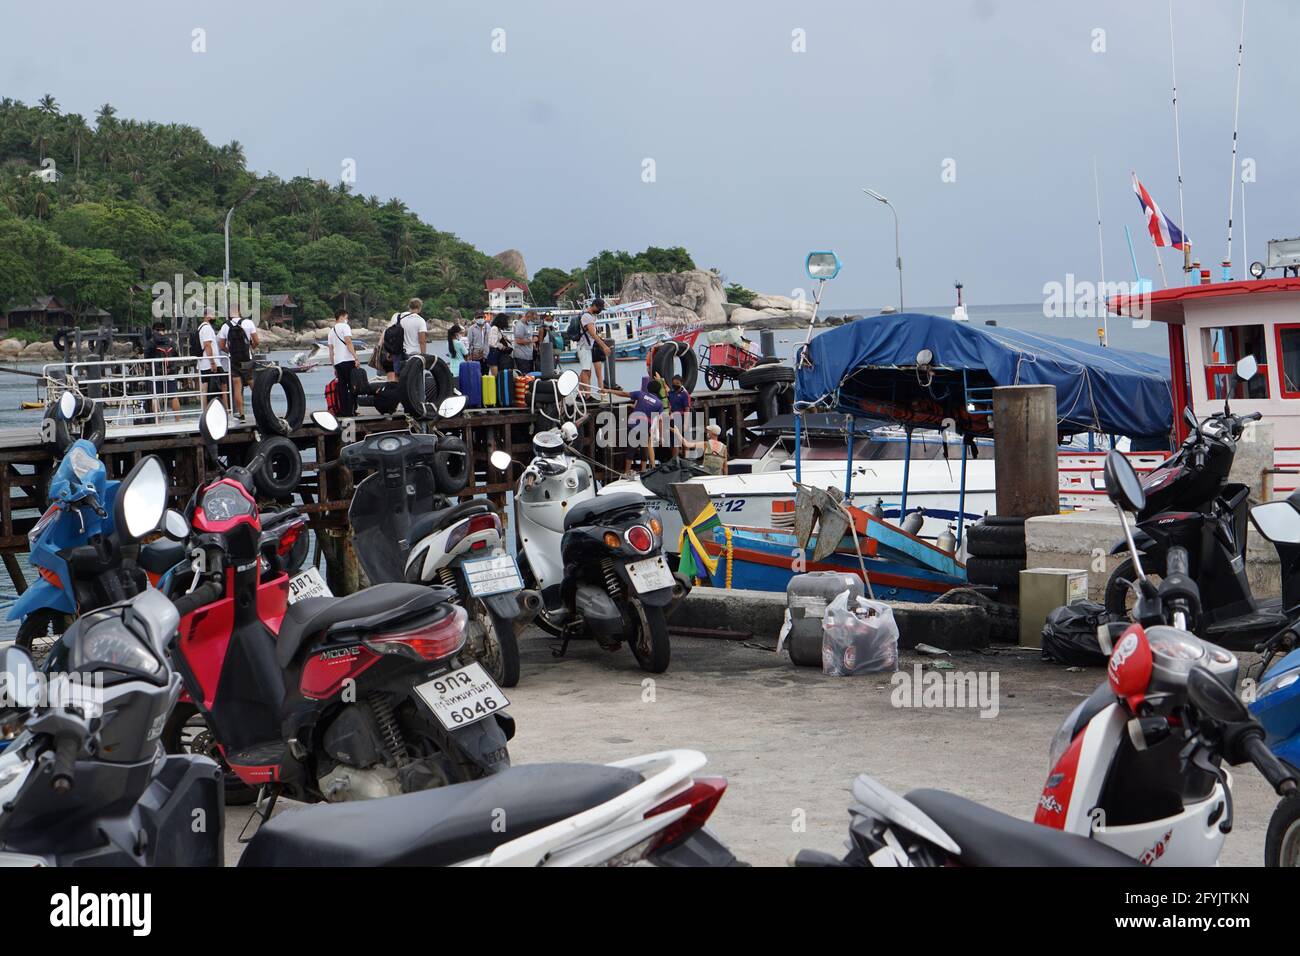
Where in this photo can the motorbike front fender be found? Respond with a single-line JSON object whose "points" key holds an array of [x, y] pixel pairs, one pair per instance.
{"points": [[484, 743], [42, 596], [504, 605]]}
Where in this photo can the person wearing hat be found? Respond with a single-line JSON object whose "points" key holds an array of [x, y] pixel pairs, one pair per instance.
{"points": [[592, 350], [714, 460]]}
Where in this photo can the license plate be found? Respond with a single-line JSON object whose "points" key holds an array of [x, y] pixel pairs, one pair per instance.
{"points": [[494, 575], [651, 574], [459, 698], [308, 584]]}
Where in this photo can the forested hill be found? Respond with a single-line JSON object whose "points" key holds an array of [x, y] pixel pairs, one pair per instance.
{"points": [[138, 202]]}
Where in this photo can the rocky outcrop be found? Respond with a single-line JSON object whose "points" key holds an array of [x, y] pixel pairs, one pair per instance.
{"points": [[512, 260], [695, 291]]}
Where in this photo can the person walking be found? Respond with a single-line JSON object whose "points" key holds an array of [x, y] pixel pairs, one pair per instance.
{"points": [[212, 374], [523, 344], [415, 335], [238, 338], [592, 350], [343, 356], [161, 348]]}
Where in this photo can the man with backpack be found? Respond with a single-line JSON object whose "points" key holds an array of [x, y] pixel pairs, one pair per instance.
{"points": [[159, 349], [212, 375], [238, 338], [406, 335]]}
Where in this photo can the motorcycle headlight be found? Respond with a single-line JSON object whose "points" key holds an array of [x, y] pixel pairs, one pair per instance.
{"points": [[106, 643], [1064, 735], [82, 464], [1276, 683]]}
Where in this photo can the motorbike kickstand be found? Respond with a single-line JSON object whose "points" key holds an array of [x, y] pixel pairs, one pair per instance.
{"points": [[267, 795]]}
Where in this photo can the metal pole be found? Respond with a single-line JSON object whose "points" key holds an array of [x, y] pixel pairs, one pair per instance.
{"points": [[961, 495], [907, 466], [848, 471], [898, 254], [798, 445]]}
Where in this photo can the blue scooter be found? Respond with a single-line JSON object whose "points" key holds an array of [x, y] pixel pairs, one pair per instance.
{"points": [[1275, 699]]}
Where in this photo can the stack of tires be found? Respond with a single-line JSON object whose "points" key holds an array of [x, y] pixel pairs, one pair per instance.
{"points": [[676, 358], [996, 549], [774, 383]]}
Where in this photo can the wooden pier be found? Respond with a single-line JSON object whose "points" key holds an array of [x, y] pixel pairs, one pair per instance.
{"points": [[323, 494]]}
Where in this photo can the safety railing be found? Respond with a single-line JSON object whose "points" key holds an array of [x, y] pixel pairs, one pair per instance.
{"points": [[137, 394]]}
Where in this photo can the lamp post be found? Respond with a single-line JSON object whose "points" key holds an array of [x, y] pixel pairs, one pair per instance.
{"points": [[225, 273], [898, 255]]}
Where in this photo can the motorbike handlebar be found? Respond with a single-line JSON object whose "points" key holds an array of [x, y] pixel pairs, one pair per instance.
{"points": [[65, 760], [201, 595], [1273, 770]]}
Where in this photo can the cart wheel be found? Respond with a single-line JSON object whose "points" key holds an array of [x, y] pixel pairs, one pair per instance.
{"points": [[713, 379]]}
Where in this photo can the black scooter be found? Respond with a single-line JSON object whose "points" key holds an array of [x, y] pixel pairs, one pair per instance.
{"points": [[1190, 504]]}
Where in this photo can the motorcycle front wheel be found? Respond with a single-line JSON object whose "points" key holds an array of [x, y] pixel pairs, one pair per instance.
{"points": [[186, 732], [39, 632], [650, 642], [1282, 844], [1120, 598]]}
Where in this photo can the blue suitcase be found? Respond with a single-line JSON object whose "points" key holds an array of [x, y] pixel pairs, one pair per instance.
{"points": [[470, 378], [506, 387]]}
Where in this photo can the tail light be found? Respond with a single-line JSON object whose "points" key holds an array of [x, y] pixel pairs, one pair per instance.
{"points": [[640, 539], [429, 643], [701, 798], [488, 522], [290, 538]]}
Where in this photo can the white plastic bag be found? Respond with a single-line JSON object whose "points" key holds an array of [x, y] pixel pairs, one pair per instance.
{"points": [[858, 640]]}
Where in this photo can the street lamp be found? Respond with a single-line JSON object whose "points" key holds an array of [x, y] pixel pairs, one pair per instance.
{"points": [[898, 255], [225, 273]]}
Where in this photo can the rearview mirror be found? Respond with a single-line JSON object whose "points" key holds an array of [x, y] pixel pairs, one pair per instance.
{"points": [[141, 499], [214, 423], [68, 406], [451, 407], [18, 689], [1122, 484], [569, 432], [1189, 416], [1278, 521], [501, 460], [567, 383], [1214, 698], [1247, 368], [822, 265], [175, 526], [325, 421]]}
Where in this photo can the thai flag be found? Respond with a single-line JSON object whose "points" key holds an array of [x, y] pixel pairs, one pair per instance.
{"points": [[1162, 228]]}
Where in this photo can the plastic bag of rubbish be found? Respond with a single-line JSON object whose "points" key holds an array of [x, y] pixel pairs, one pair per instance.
{"points": [[860, 637]]}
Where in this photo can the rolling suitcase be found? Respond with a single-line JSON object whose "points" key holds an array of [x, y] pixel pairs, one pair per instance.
{"points": [[506, 386], [470, 379], [489, 391]]}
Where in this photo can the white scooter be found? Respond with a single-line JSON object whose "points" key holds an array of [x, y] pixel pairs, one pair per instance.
{"points": [[1136, 771]]}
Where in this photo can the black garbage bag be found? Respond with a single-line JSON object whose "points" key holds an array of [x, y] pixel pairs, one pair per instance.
{"points": [[662, 477], [1070, 635]]}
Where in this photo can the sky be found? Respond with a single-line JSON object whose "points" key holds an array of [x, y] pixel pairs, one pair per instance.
{"points": [[743, 131]]}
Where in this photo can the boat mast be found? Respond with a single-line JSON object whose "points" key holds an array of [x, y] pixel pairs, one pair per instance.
{"points": [[1232, 173], [1178, 150], [1101, 253]]}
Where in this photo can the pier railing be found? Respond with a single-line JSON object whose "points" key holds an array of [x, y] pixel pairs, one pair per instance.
{"points": [[137, 394]]}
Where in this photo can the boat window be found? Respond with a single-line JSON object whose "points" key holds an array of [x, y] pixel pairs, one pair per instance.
{"points": [[1222, 347], [1288, 360]]}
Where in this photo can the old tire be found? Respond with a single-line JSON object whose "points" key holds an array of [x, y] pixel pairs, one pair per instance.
{"points": [[650, 644], [500, 653], [986, 540], [997, 572], [667, 355], [439, 385], [768, 407], [411, 386], [91, 428], [1118, 593], [766, 374], [450, 465], [268, 421], [1282, 843], [282, 468]]}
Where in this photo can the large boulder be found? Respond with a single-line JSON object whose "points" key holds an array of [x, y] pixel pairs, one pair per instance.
{"points": [[743, 315], [783, 302], [695, 290], [10, 347], [512, 260]]}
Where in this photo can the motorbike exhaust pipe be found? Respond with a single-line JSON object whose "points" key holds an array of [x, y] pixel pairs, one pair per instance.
{"points": [[530, 604]]}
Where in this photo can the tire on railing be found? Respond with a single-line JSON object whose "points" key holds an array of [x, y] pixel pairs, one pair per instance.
{"points": [[90, 428], [264, 383], [767, 402], [281, 469], [411, 386], [438, 385], [766, 374], [667, 355], [450, 465]]}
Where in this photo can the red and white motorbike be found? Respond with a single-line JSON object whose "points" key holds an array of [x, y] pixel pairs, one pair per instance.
{"points": [[1136, 769]]}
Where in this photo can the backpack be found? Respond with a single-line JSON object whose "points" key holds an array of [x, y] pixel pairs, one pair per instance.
{"points": [[395, 337], [574, 331], [196, 344], [237, 342]]}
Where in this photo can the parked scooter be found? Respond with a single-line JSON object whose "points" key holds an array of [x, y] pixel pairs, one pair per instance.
{"points": [[78, 788], [1191, 505], [325, 698], [82, 562], [408, 530], [1136, 771], [596, 559]]}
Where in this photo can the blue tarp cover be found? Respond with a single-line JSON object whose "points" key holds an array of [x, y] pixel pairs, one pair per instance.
{"points": [[1115, 392]]}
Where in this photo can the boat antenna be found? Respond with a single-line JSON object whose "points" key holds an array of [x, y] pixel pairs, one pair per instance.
{"points": [[1178, 149], [1101, 253], [1232, 173]]}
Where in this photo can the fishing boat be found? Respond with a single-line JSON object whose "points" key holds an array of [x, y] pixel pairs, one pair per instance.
{"points": [[319, 353]]}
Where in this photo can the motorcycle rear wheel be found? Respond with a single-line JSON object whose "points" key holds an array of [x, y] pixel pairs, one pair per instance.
{"points": [[1282, 844], [650, 644], [499, 653]]}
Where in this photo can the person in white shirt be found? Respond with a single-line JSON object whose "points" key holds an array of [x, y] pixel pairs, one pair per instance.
{"points": [[592, 350], [240, 357], [476, 341], [343, 356], [415, 334], [212, 374]]}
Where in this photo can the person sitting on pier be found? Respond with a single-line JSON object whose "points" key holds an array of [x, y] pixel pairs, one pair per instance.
{"points": [[212, 374], [714, 460], [238, 338], [159, 350]]}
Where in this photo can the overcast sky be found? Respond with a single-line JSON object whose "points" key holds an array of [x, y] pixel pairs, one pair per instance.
{"points": [[758, 151]]}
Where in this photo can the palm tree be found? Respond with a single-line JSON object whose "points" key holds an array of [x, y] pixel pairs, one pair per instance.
{"points": [[41, 139], [405, 247], [48, 105], [78, 191], [41, 204], [8, 195], [315, 225], [105, 116], [77, 129]]}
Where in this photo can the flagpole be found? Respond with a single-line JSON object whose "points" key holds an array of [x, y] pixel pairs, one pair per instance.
{"points": [[1232, 173], [1101, 255], [1178, 146]]}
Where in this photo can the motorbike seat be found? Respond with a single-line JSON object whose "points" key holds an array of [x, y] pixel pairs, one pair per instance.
{"points": [[371, 607], [990, 838], [436, 521], [436, 827], [589, 511], [162, 555]]}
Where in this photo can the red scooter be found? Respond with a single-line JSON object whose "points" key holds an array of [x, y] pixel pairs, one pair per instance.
{"points": [[325, 698]]}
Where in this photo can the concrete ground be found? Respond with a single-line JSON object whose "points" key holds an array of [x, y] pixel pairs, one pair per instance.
{"points": [[790, 740]]}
